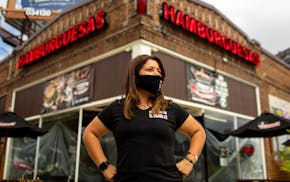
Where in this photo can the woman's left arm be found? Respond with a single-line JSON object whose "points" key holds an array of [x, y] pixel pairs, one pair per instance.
{"points": [[196, 132]]}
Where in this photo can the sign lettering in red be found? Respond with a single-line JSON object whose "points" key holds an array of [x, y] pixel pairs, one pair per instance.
{"points": [[61, 40], [198, 28]]}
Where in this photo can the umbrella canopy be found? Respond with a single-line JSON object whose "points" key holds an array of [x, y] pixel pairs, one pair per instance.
{"points": [[12, 125], [265, 125]]}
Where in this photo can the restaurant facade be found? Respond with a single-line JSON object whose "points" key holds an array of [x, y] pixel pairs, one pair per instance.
{"points": [[65, 74]]}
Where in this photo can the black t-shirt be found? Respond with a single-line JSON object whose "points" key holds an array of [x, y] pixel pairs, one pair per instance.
{"points": [[145, 144]]}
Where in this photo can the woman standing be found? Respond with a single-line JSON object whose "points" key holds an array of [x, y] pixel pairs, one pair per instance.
{"points": [[144, 125]]}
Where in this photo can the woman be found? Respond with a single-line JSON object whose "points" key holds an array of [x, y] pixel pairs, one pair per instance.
{"points": [[144, 125]]}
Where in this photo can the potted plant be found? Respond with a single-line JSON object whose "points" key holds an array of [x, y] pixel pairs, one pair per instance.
{"points": [[285, 159]]}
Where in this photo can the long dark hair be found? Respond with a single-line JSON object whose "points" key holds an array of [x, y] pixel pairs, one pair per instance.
{"points": [[131, 93]]}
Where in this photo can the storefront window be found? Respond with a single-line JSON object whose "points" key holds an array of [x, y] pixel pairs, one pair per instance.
{"points": [[250, 158], [57, 149], [230, 158], [221, 158], [225, 158], [22, 157]]}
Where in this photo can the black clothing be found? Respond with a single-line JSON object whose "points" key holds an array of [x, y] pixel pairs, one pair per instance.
{"points": [[145, 144]]}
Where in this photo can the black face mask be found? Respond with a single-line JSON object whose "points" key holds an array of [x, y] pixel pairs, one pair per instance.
{"points": [[149, 83]]}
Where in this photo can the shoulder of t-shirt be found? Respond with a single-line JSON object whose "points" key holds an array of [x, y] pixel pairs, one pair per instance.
{"points": [[171, 103], [118, 102], [180, 113], [177, 108], [112, 106], [106, 116]]}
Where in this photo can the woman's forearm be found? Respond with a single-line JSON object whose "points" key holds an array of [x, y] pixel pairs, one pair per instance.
{"points": [[94, 147], [196, 144]]}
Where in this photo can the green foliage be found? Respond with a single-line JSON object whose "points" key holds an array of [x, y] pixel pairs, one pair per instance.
{"points": [[285, 157]]}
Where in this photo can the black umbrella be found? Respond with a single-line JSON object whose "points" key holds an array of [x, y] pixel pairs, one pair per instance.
{"points": [[265, 125], [12, 125]]}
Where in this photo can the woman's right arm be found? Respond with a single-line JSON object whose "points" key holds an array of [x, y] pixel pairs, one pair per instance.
{"points": [[91, 135]]}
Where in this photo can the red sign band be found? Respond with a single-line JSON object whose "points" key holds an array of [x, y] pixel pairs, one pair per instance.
{"points": [[196, 27], [93, 24]]}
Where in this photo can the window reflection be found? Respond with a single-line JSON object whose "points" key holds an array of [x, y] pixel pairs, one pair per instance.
{"points": [[220, 149], [22, 157], [250, 157], [228, 157], [57, 150]]}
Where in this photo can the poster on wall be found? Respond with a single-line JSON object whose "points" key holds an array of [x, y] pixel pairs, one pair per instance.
{"points": [[68, 90], [279, 106], [206, 87]]}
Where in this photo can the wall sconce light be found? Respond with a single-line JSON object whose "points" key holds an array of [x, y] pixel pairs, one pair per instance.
{"points": [[225, 60]]}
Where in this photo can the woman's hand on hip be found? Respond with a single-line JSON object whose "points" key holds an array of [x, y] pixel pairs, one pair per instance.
{"points": [[110, 173], [184, 167]]}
